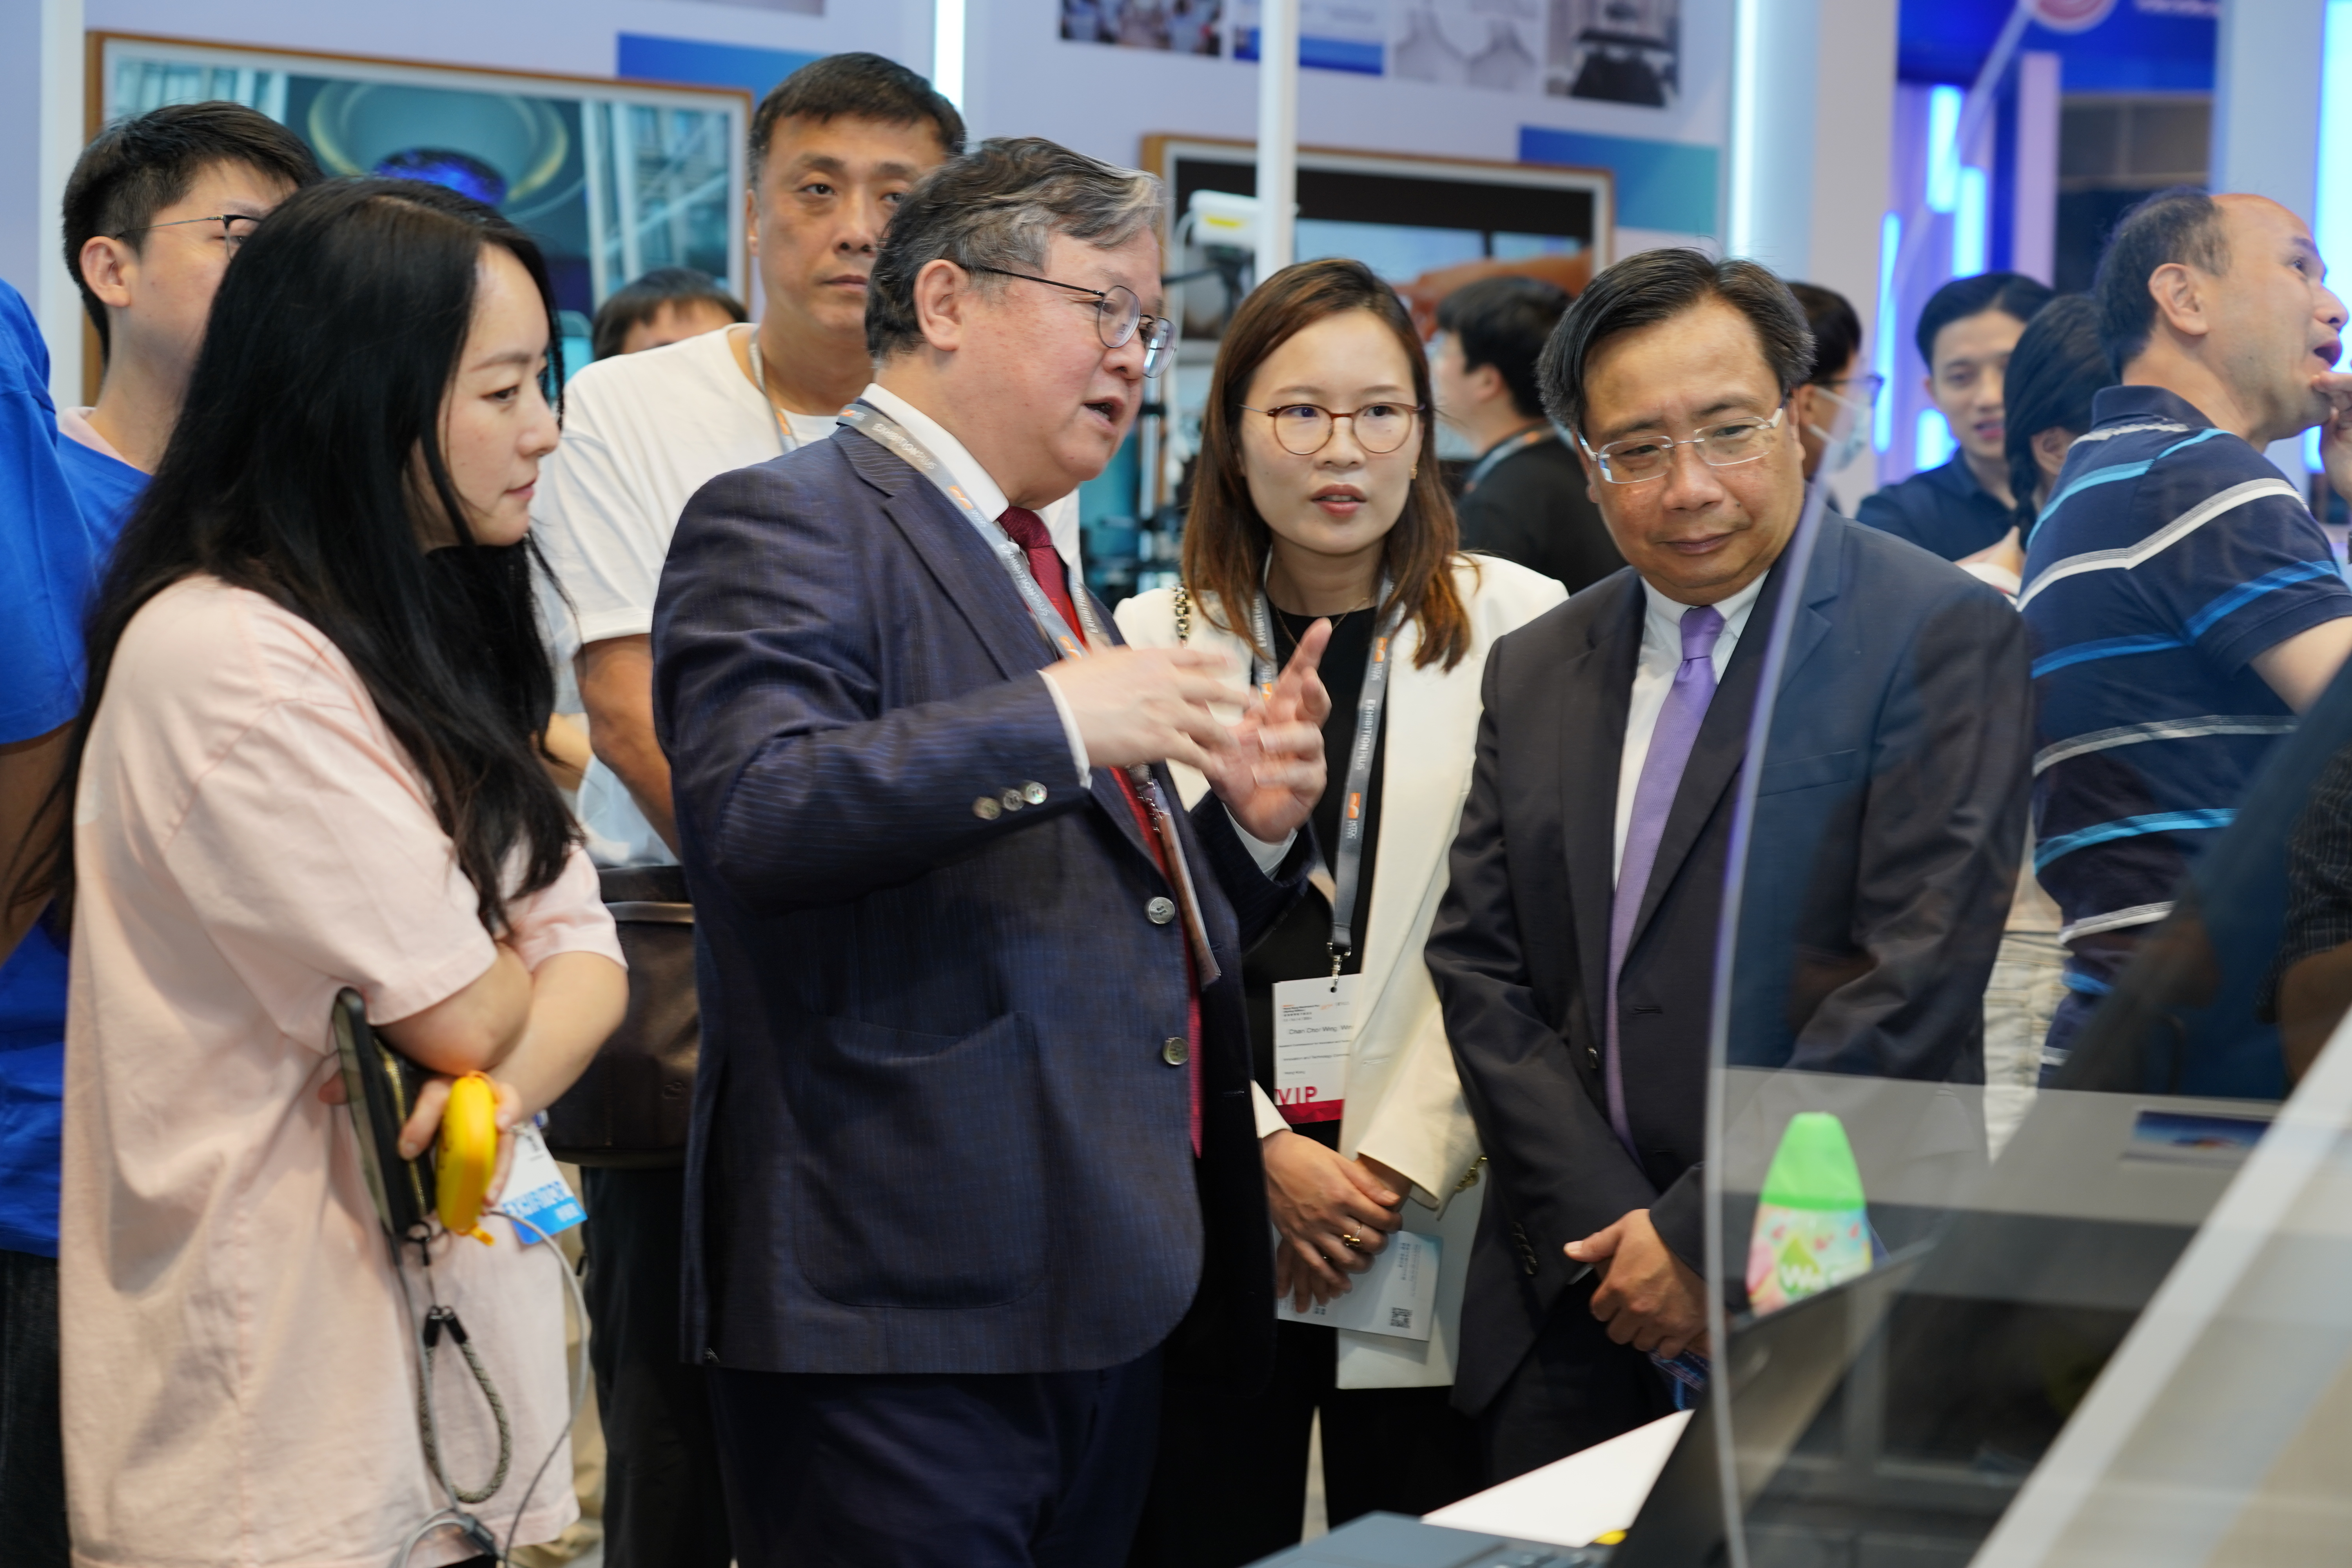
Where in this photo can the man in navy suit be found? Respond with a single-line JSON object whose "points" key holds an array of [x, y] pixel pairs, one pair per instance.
{"points": [[972, 1139], [1575, 953]]}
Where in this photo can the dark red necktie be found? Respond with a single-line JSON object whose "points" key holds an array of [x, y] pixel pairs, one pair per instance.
{"points": [[1027, 530]]}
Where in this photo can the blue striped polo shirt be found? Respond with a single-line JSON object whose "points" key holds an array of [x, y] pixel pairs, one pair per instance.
{"points": [[2170, 554]]}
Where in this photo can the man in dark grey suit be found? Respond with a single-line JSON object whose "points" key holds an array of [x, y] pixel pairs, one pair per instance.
{"points": [[972, 1138], [1575, 953]]}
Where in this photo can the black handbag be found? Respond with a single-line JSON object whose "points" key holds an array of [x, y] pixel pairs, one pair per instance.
{"points": [[631, 1107]]}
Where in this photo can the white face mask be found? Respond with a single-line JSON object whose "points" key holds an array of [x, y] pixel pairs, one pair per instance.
{"points": [[1837, 452]]}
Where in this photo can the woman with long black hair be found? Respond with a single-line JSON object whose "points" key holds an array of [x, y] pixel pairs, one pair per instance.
{"points": [[1317, 499], [306, 763]]}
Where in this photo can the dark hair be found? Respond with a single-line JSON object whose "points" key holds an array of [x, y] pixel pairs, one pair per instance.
{"points": [[1656, 286], [2012, 293], [999, 205], [635, 304], [1837, 331], [2055, 370], [1504, 322], [293, 472], [138, 166], [1226, 540], [854, 86], [2181, 224]]}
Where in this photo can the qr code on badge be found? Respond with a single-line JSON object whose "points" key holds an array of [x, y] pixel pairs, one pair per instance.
{"points": [[1400, 1317]]}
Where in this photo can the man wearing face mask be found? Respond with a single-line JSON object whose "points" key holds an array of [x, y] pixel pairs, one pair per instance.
{"points": [[1575, 949], [1965, 336], [973, 1135], [2183, 601], [1832, 409]]}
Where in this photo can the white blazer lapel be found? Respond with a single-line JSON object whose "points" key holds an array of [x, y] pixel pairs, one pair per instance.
{"points": [[1422, 783]]}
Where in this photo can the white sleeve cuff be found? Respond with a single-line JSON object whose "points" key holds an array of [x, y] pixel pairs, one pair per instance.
{"points": [[1069, 729], [1267, 856], [1269, 1117]]}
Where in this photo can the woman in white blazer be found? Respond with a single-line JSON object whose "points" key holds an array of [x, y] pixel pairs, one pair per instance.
{"points": [[1318, 497]]}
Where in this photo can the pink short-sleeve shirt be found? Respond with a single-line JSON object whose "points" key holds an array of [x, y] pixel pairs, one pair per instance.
{"points": [[239, 1379]]}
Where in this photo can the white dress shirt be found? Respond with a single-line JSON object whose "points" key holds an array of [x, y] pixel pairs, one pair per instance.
{"points": [[1654, 677]]}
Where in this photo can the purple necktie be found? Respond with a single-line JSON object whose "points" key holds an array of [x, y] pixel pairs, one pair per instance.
{"points": [[1653, 798]]}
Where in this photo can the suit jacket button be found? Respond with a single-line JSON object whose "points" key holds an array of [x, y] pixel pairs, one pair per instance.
{"points": [[1159, 912], [1033, 793], [986, 810], [709, 1358], [1175, 1050], [1592, 1054], [1012, 799]]}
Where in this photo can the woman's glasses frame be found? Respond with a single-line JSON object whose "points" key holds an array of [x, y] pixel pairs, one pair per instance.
{"points": [[1329, 426]]}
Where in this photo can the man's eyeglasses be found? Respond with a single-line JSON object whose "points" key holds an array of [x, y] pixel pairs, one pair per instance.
{"points": [[1118, 316], [1726, 444], [235, 227], [1305, 429]]}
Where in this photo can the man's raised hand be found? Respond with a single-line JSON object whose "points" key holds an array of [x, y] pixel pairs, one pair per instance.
{"points": [[1140, 705], [1273, 773]]}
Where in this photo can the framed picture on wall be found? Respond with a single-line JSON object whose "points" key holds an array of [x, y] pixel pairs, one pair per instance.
{"points": [[613, 178]]}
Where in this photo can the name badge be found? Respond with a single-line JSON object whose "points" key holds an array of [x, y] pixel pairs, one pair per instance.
{"points": [[1314, 1030], [536, 1191]]}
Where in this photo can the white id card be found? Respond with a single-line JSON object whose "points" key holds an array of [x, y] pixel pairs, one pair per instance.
{"points": [[1396, 1296], [535, 1190], [1314, 1030]]}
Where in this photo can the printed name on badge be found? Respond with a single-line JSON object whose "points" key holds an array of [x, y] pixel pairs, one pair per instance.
{"points": [[1314, 1030]]}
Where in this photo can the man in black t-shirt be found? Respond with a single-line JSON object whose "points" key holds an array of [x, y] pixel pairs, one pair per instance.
{"points": [[1526, 498]]}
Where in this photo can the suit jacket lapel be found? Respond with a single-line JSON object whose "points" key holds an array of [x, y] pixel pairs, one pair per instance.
{"points": [[969, 575], [972, 580], [1595, 690]]}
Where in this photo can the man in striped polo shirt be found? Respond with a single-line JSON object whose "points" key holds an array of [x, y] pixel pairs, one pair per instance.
{"points": [[2182, 602]]}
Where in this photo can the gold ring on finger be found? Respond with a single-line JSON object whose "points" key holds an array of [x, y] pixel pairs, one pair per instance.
{"points": [[1352, 1241]]}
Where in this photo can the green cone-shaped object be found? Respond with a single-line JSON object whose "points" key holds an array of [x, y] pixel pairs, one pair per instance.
{"points": [[1813, 1168]]}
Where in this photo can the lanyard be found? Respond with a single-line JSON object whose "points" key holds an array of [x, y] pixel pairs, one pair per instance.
{"points": [[1349, 850], [759, 377], [1503, 448], [878, 426]]}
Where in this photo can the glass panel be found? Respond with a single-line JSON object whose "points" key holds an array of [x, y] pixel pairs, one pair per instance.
{"points": [[1981, 1297]]}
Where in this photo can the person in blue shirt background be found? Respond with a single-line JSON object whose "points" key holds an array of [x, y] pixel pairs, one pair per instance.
{"points": [[1965, 335], [2183, 603], [153, 212], [45, 565], [156, 206]]}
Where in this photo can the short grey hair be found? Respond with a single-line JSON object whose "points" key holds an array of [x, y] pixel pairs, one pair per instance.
{"points": [[1000, 204]]}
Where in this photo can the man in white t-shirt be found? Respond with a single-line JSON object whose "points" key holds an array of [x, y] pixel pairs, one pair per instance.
{"points": [[833, 150]]}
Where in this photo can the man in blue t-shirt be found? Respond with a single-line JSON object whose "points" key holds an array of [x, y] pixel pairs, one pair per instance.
{"points": [[154, 210], [1965, 336], [46, 556], [2183, 603]]}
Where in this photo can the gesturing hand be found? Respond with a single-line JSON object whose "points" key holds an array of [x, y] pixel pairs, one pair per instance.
{"points": [[1273, 773], [1649, 1298], [1138, 705], [1317, 1199]]}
